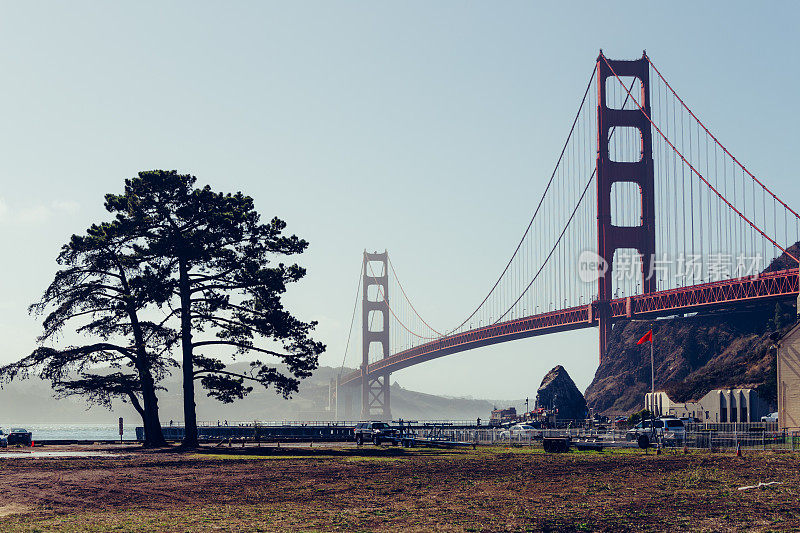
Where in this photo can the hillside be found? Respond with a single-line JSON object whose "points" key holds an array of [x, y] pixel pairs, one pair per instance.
{"points": [[31, 402], [693, 355]]}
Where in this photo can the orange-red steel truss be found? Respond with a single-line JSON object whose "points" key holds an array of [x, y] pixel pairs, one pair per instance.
{"points": [[774, 285]]}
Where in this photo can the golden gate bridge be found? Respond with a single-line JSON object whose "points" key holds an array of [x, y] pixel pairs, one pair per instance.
{"points": [[646, 214]]}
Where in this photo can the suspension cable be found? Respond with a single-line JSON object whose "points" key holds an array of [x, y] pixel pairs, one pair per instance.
{"points": [[402, 290], [569, 221], [352, 319], [561, 236], [389, 307], [536, 211], [713, 137], [704, 180]]}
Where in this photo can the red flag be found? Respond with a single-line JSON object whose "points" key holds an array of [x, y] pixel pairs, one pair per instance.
{"points": [[648, 337]]}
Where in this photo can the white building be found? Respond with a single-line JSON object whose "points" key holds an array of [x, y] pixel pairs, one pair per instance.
{"points": [[718, 406], [789, 380]]}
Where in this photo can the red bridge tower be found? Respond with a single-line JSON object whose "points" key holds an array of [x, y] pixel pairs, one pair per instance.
{"points": [[375, 389], [610, 237]]}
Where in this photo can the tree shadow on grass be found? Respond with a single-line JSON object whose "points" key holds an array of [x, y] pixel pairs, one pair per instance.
{"points": [[274, 450]]}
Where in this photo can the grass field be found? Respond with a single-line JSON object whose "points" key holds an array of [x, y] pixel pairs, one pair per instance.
{"points": [[377, 489]]}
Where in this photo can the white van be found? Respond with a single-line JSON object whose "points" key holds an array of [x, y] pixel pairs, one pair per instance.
{"points": [[670, 430]]}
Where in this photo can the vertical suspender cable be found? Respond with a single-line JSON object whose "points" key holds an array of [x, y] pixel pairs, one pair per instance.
{"points": [[352, 319]]}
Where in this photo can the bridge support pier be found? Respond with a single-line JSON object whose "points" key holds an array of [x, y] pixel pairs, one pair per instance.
{"points": [[610, 238], [344, 409], [375, 390], [376, 403], [604, 326], [333, 397]]}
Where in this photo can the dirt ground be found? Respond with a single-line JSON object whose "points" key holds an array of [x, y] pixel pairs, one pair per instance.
{"points": [[374, 489]]}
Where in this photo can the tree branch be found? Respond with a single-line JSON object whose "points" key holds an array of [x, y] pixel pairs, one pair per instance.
{"points": [[239, 345], [197, 373]]}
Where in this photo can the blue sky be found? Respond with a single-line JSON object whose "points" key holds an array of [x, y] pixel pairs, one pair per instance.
{"points": [[428, 129]]}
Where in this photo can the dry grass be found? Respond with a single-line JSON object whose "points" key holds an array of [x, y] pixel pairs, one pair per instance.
{"points": [[346, 489]]}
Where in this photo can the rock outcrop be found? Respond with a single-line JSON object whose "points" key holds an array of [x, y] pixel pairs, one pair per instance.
{"points": [[558, 391]]}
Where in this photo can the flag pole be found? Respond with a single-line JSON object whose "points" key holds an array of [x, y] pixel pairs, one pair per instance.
{"points": [[652, 368]]}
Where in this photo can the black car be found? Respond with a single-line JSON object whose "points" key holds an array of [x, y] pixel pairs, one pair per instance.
{"points": [[19, 436], [375, 432]]}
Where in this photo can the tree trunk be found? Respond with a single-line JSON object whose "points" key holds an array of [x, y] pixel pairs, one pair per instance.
{"points": [[153, 435], [189, 409], [136, 405], [139, 409]]}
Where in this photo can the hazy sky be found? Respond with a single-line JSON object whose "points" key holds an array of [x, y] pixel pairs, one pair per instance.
{"points": [[426, 128]]}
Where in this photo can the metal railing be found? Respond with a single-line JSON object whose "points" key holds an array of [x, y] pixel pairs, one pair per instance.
{"points": [[747, 438], [346, 423], [716, 436], [729, 427]]}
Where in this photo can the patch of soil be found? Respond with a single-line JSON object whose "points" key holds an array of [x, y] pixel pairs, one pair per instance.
{"points": [[388, 488]]}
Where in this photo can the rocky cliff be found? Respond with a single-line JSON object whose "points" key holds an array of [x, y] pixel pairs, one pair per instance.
{"points": [[559, 391], [693, 355]]}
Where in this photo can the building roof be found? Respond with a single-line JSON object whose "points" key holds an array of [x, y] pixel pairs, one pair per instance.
{"points": [[792, 332]]}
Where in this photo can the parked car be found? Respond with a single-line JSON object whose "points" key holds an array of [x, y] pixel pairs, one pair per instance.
{"points": [[772, 417], [375, 432], [19, 436], [670, 430], [3, 439], [620, 422], [521, 431]]}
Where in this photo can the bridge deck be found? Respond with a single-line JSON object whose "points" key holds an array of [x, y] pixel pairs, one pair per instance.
{"points": [[773, 285]]}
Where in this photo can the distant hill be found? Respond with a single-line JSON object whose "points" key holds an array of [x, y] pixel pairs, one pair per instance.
{"points": [[31, 402], [693, 355]]}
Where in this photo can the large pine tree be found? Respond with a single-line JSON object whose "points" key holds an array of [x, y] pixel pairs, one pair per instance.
{"points": [[221, 284], [101, 292]]}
